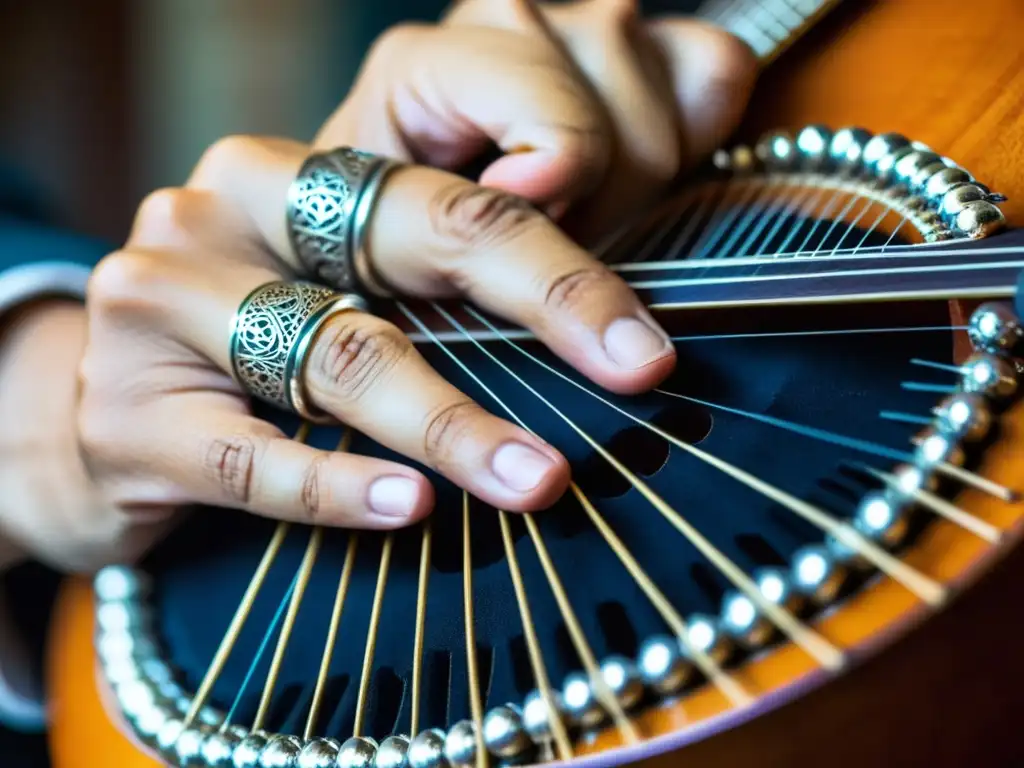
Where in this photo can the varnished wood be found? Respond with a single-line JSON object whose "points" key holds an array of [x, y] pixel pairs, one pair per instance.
{"points": [[948, 691]]}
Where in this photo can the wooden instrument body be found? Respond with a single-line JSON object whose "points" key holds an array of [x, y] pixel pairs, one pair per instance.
{"points": [[949, 692]]}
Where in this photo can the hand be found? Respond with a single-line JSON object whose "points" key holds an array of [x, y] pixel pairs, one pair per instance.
{"points": [[49, 509], [160, 309], [593, 106]]}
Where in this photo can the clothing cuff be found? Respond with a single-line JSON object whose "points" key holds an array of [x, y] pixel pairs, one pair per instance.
{"points": [[28, 282]]}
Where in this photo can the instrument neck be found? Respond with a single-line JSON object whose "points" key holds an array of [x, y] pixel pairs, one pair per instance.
{"points": [[768, 26]]}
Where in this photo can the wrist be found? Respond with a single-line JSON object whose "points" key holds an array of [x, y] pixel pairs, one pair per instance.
{"points": [[40, 347]]}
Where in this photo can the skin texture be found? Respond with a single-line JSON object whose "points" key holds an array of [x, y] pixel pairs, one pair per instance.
{"points": [[596, 110]]}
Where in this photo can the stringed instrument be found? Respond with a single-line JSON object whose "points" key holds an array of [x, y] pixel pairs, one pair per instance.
{"points": [[802, 550]]}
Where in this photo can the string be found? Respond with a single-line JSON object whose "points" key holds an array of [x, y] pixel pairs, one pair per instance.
{"points": [[919, 584], [260, 651], [332, 634], [540, 674], [421, 622], [371, 633], [305, 571], [472, 671], [816, 646]]}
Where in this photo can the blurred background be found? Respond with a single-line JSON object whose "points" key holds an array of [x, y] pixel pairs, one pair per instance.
{"points": [[102, 101]]}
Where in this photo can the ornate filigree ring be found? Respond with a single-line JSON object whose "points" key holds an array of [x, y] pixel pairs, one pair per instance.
{"points": [[329, 207], [271, 334]]}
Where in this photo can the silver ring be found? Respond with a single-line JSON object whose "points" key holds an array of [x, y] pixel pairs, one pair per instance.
{"points": [[271, 335], [329, 207]]}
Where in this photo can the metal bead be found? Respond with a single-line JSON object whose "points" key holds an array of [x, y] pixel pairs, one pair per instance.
{"points": [[744, 622], [663, 667], [119, 583], [123, 616], [148, 723], [988, 375], [881, 147], [813, 143], [994, 328], [943, 181], [135, 696], [357, 752], [776, 151], [909, 479], [937, 448], [918, 182], [964, 415], [980, 218], [392, 753], [188, 749], [155, 670], [247, 753], [954, 201], [167, 737], [776, 587], [846, 150], [623, 680], [460, 745], [318, 753], [504, 733], [742, 160], [427, 749], [281, 751], [580, 702], [880, 518], [219, 747], [537, 716], [703, 634], [911, 164], [112, 646], [817, 574]]}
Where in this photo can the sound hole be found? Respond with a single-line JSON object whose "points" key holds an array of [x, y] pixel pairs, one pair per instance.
{"points": [[642, 451]]}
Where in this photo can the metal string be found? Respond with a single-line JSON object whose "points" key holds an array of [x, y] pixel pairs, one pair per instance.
{"points": [[476, 707], [302, 581], [925, 588], [816, 646]]}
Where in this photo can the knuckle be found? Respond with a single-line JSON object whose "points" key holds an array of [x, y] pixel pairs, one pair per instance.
{"points": [[568, 291], [231, 462], [395, 41], [124, 281], [223, 158], [445, 429], [98, 437], [314, 495], [466, 216], [165, 217], [352, 356]]}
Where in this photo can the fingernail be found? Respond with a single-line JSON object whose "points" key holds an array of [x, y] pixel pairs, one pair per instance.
{"points": [[394, 496], [632, 344], [520, 467]]}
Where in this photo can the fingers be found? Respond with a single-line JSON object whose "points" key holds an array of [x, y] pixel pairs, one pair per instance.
{"points": [[366, 372], [609, 42], [713, 74], [211, 452], [361, 369], [458, 237], [446, 94]]}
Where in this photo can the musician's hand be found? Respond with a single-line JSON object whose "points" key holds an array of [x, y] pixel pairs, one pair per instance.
{"points": [[593, 106], [49, 509], [162, 423]]}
